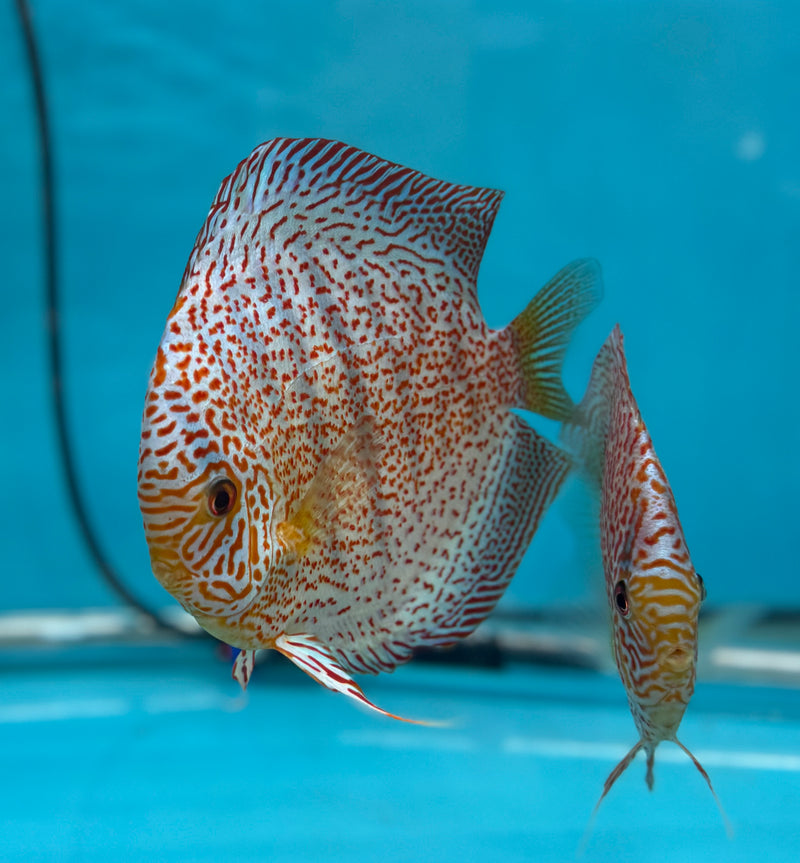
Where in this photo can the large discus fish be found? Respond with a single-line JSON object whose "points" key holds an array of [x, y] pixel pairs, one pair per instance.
{"points": [[330, 465], [654, 592]]}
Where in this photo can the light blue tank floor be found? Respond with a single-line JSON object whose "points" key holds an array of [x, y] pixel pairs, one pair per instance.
{"points": [[151, 754]]}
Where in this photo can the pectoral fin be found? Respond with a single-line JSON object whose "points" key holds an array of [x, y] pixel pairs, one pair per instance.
{"points": [[339, 493], [309, 654]]}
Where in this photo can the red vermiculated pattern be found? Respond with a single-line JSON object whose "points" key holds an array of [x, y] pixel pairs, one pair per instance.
{"points": [[327, 356]]}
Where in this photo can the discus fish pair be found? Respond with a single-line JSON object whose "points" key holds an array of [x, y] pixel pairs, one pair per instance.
{"points": [[330, 464]]}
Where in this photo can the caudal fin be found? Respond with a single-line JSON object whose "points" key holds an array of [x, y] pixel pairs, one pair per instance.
{"points": [[543, 332]]}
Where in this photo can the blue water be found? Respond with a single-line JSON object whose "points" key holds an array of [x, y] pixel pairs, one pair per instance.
{"points": [[663, 139], [141, 761]]}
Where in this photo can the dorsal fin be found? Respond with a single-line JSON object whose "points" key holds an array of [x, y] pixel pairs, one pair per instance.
{"points": [[585, 432], [322, 180]]}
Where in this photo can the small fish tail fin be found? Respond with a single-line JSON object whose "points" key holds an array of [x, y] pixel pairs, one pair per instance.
{"points": [[585, 432], [699, 766], [313, 657], [543, 330]]}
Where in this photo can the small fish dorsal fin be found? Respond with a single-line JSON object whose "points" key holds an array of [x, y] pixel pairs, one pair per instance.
{"points": [[378, 205], [584, 433]]}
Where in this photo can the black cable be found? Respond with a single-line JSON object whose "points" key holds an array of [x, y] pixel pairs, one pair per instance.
{"points": [[49, 230]]}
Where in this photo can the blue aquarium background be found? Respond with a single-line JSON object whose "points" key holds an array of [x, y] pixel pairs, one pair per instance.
{"points": [[662, 139]]}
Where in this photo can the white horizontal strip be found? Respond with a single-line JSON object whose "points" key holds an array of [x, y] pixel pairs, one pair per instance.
{"points": [[409, 741], [100, 708], [545, 747], [54, 711], [585, 750], [754, 659]]}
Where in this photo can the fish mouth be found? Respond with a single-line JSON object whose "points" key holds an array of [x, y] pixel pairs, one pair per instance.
{"points": [[678, 660]]}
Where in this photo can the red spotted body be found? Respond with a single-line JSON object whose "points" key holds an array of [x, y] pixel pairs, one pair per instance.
{"points": [[329, 463], [654, 592]]}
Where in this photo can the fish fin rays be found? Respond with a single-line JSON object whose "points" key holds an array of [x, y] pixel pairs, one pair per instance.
{"points": [[338, 495], [543, 331], [585, 432], [612, 778], [702, 770], [619, 770], [313, 657], [243, 667], [625, 763], [527, 472], [579, 506], [423, 217]]}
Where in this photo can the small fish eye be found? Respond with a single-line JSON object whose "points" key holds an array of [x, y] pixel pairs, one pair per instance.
{"points": [[221, 497], [702, 585], [621, 598]]}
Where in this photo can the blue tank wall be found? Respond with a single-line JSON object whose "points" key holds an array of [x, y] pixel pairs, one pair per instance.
{"points": [[662, 139]]}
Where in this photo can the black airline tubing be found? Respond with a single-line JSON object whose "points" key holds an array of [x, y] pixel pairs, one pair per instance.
{"points": [[50, 235]]}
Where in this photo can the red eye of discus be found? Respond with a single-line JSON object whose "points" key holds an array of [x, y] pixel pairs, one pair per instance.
{"points": [[621, 598], [221, 497]]}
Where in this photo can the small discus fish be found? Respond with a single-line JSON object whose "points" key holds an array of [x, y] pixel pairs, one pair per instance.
{"points": [[654, 592], [330, 465]]}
